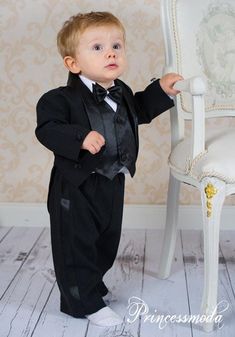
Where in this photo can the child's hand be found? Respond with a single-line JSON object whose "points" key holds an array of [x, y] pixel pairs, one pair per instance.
{"points": [[93, 142], [167, 82]]}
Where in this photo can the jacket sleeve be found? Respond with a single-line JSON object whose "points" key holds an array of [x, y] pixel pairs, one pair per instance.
{"points": [[151, 102], [54, 130]]}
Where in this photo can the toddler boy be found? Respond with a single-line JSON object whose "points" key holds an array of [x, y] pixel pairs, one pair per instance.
{"points": [[91, 125]]}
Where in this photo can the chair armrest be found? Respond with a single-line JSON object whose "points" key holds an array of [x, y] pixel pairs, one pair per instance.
{"points": [[194, 85]]}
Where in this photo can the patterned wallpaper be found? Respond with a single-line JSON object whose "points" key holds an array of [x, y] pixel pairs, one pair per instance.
{"points": [[31, 65]]}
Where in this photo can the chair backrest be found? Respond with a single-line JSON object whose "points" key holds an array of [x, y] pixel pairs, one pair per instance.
{"points": [[199, 38]]}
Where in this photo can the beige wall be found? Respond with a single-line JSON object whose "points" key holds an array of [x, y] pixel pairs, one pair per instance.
{"points": [[30, 65]]}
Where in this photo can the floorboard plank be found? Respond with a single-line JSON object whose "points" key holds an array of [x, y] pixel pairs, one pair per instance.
{"points": [[14, 250], [163, 297], [227, 246], [24, 300], [4, 231], [58, 323]]}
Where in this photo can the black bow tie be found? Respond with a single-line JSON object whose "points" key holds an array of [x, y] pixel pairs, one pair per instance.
{"points": [[115, 93]]}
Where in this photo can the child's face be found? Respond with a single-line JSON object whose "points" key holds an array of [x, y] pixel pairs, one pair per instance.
{"points": [[101, 55]]}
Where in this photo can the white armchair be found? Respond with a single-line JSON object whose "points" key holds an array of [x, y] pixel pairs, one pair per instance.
{"points": [[199, 38]]}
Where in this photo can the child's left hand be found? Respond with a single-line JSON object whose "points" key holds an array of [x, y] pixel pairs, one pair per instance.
{"points": [[167, 82]]}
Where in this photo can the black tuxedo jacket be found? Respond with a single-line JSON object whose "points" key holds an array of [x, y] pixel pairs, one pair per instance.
{"points": [[67, 114]]}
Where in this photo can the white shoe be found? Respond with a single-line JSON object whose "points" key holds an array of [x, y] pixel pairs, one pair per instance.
{"points": [[105, 317]]}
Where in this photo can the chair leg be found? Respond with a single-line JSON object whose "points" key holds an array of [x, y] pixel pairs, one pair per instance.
{"points": [[212, 197], [170, 234]]}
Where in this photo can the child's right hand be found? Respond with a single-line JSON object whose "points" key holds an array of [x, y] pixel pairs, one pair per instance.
{"points": [[93, 142]]}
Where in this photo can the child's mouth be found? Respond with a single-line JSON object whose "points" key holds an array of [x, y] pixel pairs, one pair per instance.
{"points": [[112, 66]]}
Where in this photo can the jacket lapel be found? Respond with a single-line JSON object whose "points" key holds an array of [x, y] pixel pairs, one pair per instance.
{"points": [[128, 98], [89, 102]]}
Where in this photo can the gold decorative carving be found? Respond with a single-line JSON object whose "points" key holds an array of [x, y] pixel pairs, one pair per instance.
{"points": [[210, 191]]}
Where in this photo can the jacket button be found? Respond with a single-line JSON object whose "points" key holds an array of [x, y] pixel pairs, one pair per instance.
{"points": [[123, 156], [118, 120], [78, 166], [79, 137]]}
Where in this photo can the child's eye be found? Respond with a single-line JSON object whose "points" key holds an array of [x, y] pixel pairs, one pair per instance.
{"points": [[117, 46], [97, 47]]}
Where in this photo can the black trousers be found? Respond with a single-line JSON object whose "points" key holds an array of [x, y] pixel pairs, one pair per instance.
{"points": [[85, 234]]}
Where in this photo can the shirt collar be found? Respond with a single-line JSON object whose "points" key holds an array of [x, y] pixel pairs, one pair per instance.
{"points": [[89, 82]]}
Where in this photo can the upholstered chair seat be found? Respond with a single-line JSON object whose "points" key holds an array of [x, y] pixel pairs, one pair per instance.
{"points": [[218, 159]]}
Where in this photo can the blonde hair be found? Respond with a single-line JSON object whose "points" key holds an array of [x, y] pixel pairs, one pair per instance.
{"points": [[68, 36]]}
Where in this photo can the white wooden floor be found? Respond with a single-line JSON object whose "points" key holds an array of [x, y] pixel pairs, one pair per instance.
{"points": [[29, 298]]}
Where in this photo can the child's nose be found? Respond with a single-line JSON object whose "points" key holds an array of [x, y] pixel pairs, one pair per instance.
{"points": [[111, 53]]}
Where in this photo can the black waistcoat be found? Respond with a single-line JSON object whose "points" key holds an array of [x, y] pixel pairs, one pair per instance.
{"points": [[120, 145]]}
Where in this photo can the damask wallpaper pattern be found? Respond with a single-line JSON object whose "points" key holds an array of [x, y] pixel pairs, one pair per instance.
{"points": [[31, 65]]}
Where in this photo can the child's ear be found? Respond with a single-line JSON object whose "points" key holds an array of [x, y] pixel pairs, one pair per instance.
{"points": [[71, 64]]}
